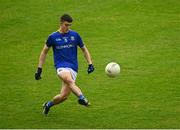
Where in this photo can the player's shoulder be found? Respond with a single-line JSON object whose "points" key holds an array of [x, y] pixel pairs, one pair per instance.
{"points": [[54, 34], [72, 32]]}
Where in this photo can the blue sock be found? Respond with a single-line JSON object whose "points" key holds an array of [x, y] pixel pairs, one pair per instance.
{"points": [[81, 96], [50, 104]]}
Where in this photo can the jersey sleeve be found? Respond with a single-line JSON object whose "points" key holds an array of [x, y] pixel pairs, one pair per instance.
{"points": [[79, 41], [49, 41]]}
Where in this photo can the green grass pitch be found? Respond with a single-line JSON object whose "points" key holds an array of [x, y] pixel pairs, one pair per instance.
{"points": [[143, 36]]}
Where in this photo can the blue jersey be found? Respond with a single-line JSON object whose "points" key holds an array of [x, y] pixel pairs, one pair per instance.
{"points": [[65, 48]]}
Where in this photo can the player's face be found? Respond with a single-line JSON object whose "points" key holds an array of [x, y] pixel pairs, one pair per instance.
{"points": [[65, 26]]}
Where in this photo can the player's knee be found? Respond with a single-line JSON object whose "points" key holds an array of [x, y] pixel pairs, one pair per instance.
{"points": [[69, 81]]}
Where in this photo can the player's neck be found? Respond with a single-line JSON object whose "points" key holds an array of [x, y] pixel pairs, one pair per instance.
{"points": [[62, 31]]}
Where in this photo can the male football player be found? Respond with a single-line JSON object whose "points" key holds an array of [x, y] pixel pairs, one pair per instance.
{"points": [[64, 43]]}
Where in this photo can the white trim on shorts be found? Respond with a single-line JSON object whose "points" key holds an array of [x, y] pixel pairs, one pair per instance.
{"points": [[73, 73]]}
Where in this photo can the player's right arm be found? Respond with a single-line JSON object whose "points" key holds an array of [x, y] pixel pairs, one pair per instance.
{"points": [[42, 59], [42, 56]]}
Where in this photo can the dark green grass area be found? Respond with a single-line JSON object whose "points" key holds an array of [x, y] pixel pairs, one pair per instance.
{"points": [[143, 36]]}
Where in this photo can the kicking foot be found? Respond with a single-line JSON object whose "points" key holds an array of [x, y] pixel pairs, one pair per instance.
{"points": [[45, 109], [84, 102]]}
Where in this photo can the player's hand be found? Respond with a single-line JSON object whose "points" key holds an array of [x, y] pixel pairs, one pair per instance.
{"points": [[90, 68], [38, 73]]}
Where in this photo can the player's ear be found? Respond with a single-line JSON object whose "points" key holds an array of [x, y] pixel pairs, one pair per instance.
{"points": [[61, 22]]}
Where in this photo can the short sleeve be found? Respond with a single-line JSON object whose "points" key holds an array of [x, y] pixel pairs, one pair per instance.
{"points": [[49, 41], [79, 41]]}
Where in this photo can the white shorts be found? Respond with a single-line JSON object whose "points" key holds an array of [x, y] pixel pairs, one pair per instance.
{"points": [[73, 73]]}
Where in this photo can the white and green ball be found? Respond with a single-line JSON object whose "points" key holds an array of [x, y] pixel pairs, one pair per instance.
{"points": [[112, 69]]}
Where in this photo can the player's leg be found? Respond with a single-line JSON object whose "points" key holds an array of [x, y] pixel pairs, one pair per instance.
{"points": [[66, 76], [64, 93]]}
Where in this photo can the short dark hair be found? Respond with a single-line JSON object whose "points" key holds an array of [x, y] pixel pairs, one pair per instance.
{"points": [[66, 17]]}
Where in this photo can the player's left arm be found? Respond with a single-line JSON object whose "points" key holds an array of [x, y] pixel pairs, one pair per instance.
{"points": [[88, 59], [86, 55]]}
